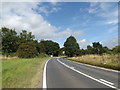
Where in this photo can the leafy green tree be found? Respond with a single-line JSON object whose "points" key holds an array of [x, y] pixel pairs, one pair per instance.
{"points": [[41, 48], [9, 41], [71, 46], [107, 50], [27, 50], [90, 50], [116, 49], [51, 48], [78, 52], [98, 48], [25, 36], [62, 51]]}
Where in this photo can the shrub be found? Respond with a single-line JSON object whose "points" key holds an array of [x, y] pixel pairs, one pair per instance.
{"points": [[27, 50], [42, 55]]}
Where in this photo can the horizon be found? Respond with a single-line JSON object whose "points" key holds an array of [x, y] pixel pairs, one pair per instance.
{"points": [[88, 22]]}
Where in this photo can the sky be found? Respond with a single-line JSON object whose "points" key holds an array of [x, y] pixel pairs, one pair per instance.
{"points": [[87, 21]]}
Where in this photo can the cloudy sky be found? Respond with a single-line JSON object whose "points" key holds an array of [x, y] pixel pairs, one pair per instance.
{"points": [[87, 21]]}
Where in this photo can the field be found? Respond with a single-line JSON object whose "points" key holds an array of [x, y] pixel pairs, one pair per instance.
{"points": [[22, 73], [106, 61]]}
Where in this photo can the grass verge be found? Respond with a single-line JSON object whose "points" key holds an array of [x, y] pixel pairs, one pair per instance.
{"points": [[106, 61], [22, 73]]}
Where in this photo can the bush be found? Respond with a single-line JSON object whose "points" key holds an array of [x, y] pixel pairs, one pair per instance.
{"points": [[27, 50], [42, 55]]}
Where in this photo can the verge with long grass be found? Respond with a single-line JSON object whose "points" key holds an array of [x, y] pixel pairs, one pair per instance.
{"points": [[107, 61]]}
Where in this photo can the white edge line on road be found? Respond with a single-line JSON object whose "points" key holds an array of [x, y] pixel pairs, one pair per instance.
{"points": [[96, 67], [44, 76], [86, 75]]}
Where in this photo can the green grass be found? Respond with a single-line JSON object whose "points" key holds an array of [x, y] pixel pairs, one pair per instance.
{"points": [[106, 61], [22, 73]]}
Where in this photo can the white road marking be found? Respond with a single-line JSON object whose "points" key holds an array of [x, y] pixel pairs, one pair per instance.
{"points": [[72, 67], [96, 67], [87, 75], [107, 82], [44, 76]]}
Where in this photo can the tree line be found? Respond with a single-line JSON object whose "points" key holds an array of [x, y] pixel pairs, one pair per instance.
{"points": [[24, 45]]}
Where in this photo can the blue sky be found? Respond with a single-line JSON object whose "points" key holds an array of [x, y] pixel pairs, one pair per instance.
{"points": [[87, 21]]}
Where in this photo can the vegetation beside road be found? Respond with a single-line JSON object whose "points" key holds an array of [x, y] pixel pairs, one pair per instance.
{"points": [[22, 73], [106, 61], [25, 71]]}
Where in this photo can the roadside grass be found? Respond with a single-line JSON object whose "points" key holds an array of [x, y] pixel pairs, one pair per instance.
{"points": [[22, 73], [106, 61]]}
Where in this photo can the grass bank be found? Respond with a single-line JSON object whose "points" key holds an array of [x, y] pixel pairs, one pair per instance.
{"points": [[22, 73], [106, 61]]}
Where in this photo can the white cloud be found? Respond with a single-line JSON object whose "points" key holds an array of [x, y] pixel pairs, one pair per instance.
{"points": [[108, 11], [111, 42], [21, 16], [83, 43], [47, 9]]}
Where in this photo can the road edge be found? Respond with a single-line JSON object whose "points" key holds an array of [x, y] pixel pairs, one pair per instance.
{"points": [[88, 76], [102, 68], [44, 84]]}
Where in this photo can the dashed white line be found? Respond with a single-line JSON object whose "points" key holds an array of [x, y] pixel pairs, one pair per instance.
{"points": [[87, 75]]}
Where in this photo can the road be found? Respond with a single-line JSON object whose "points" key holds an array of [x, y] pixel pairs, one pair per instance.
{"points": [[62, 73]]}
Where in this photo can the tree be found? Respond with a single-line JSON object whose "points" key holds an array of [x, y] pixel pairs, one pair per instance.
{"points": [[41, 48], [62, 51], [25, 36], [107, 50], [71, 46], [9, 41], [98, 48], [51, 48], [116, 49], [90, 50], [27, 50]]}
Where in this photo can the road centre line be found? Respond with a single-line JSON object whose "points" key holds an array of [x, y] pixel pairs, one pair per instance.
{"points": [[107, 82]]}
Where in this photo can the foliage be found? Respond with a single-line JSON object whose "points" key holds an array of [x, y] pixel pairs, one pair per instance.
{"points": [[116, 49], [71, 46], [107, 60], [27, 50], [25, 36], [9, 41], [42, 55], [51, 48], [62, 51], [97, 48], [41, 48]]}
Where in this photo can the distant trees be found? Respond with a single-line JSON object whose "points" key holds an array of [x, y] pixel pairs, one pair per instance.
{"points": [[25, 36], [27, 50], [42, 48], [97, 48], [71, 46], [51, 48], [9, 41], [116, 49], [27, 47]]}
